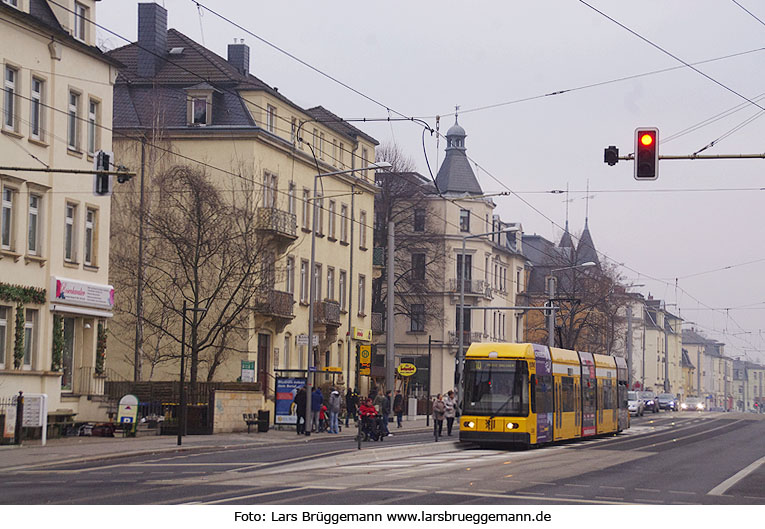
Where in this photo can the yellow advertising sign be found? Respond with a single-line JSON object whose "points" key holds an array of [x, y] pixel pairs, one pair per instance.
{"points": [[365, 355], [406, 370], [365, 335], [364, 371], [332, 369]]}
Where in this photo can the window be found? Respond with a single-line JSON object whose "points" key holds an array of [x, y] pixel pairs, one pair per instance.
{"points": [[362, 295], [6, 237], [92, 126], [271, 118], [287, 343], [330, 283], [419, 220], [199, 111], [320, 216], [14, 3], [315, 141], [317, 281], [518, 286], [344, 223], [73, 139], [364, 157], [70, 235], [340, 156], [417, 317], [35, 111], [269, 190], [334, 152], [331, 220], [290, 281], [80, 16], [4, 312], [418, 266], [468, 267], [33, 239], [363, 230], [321, 145], [304, 281], [90, 227], [464, 220], [293, 130], [291, 199], [29, 338], [342, 289], [306, 209], [9, 98]]}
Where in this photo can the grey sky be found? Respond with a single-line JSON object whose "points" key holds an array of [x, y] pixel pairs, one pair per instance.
{"points": [[422, 58]]}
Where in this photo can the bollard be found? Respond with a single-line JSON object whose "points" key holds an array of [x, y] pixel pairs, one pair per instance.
{"points": [[19, 418]]}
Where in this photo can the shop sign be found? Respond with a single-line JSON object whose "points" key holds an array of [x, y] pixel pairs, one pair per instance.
{"points": [[406, 370], [80, 293], [364, 371], [248, 371], [333, 369], [127, 413], [365, 335]]}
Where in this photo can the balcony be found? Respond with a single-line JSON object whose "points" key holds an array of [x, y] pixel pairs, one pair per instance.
{"points": [[468, 337], [282, 226], [473, 287], [275, 304], [326, 313], [377, 323]]}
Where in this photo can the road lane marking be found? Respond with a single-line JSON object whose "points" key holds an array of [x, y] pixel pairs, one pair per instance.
{"points": [[646, 490], [258, 495], [574, 485], [682, 492], [720, 489], [524, 497]]}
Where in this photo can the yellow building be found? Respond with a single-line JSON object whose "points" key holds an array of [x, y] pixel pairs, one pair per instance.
{"points": [[54, 233], [714, 370], [199, 109]]}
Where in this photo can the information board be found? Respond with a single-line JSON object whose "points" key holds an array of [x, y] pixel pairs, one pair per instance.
{"points": [[286, 389]]}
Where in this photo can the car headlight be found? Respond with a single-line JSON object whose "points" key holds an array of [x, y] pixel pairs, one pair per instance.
{"points": [[700, 406], [684, 406]]}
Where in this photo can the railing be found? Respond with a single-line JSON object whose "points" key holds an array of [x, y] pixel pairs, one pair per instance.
{"points": [[468, 337], [377, 323], [277, 221], [472, 286], [275, 303], [327, 313], [377, 256], [88, 382], [169, 391]]}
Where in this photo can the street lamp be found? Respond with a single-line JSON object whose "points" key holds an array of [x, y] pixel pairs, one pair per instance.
{"points": [[461, 279], [430, 377], [551, 293], [182, 399], [312, 272]]}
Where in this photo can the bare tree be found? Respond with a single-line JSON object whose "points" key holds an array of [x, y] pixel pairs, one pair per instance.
{"points": [[419, 253], [202, 248]]}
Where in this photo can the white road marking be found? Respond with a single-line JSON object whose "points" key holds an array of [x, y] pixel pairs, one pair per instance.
{"points": [[682, 492], [524, 497], [720, 489], [646, 490]]}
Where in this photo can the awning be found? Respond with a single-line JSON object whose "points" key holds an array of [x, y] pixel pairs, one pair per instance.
{"points": [[82, 311]]}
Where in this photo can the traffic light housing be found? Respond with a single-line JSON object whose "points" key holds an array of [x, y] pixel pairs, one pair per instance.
{"points": [[646, 153], [102, 183]]}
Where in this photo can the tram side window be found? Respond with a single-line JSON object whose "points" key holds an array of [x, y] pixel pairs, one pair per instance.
{"points": [[544, 393], [588, 394], [609, 403], [567, 394]]}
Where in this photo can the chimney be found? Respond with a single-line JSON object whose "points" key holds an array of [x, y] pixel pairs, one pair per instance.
{"points": [[152, 38], [239, 57]]}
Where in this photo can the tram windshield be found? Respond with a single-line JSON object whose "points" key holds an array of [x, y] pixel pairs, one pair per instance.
{"points": [[496, 387]]}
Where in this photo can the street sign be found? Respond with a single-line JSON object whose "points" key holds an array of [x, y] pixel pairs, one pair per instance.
{"points": [[128, 410], [332, 369], [365, 355], [302, 339], [406, 370], [248, 371], [365, 371]]}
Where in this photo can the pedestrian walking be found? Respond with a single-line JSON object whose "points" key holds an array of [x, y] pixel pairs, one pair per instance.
{"points": [[398, 407], [386, 406], [334, 411], [450, 411], [439, 410], [351, 405], [299, 402], [317, 399]]}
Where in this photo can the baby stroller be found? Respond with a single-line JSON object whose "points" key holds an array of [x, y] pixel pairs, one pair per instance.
{"points": [[372, 427]]}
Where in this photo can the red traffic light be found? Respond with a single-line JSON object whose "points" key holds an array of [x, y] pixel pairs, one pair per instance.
{"points": [[646, 154]]}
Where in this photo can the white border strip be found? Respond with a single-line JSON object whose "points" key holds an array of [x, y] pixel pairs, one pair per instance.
{"points": [[720, 489]]}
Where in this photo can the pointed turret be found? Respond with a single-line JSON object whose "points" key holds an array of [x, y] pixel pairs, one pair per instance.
{"points": [[455, 174], [586, 252]]}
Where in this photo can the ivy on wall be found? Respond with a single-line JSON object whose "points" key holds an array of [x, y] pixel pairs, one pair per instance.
{"points": [[21, 294], [57, 350], [101, 349], [18, 344]]}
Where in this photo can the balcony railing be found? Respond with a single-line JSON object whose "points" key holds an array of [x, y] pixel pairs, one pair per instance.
{"points": [[327, 313], [275, 303], [88, 382], [377, 323], [277, 222], [468, 337], [472, 287]]}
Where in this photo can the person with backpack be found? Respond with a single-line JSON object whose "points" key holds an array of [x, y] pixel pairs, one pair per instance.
{"points": [[398, 407]]}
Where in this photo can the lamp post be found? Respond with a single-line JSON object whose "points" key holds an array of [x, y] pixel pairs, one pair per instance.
{"points": [[551, 280], [182, 399], [312, 275], [461, 279], [430, 375]]}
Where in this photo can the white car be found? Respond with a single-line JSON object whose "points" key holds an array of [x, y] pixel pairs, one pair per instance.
{"points": [[635, 405], [692, 404]]}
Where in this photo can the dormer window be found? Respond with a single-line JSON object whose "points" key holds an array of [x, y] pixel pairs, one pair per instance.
{"points": [[80, 17], [199, 111], [14, 3], [200, 99]]}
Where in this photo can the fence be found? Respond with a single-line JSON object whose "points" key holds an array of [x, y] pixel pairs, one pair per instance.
{"points": [[5, 403]]}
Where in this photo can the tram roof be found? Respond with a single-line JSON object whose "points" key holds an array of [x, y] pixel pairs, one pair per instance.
{"points": [[503, 350]]}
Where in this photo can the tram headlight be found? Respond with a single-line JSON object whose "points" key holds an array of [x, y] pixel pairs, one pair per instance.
{"points": [[512, 426], [468, 424]]}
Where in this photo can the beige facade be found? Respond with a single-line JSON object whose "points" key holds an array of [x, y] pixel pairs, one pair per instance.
{"points": [[748, 391], [55, 232]]}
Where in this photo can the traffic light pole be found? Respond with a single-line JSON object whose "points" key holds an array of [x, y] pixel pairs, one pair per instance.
{"points": [[698, 157]]}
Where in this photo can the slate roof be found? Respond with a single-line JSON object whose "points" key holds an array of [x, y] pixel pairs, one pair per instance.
{"points": [[586, 252], [565, 240], [455, 174], [336, 123]]}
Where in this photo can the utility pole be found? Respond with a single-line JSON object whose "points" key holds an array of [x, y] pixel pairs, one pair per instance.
{"points": [[629, 346], [667, 386], [389, 338], [551, 321], [138, 354]]}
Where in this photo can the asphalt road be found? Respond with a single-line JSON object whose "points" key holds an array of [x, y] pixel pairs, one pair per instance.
{"points": [[666, 458]]}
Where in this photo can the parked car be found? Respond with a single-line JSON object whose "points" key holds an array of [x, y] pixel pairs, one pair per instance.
{"points": [[635, 404], [649, 399], [693, 404], [667, 401]]}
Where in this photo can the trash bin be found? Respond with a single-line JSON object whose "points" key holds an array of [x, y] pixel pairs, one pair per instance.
{"points": [[264, 419]]}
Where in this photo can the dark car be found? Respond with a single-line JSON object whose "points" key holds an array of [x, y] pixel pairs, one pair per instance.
{"points": [[649, 398], [667, 401]]}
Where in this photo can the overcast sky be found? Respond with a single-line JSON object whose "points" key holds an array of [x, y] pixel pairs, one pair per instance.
{"points": [[422, 58]]}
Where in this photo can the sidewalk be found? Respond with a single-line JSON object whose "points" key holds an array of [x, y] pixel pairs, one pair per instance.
{"points": [[79, 449]]}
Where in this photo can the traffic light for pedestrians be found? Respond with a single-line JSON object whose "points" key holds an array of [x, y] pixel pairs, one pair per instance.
{"points": [[646, 154], [102, 183]]}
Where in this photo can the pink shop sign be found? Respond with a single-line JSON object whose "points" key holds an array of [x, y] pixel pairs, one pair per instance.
{"points": [[80, 293]]}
